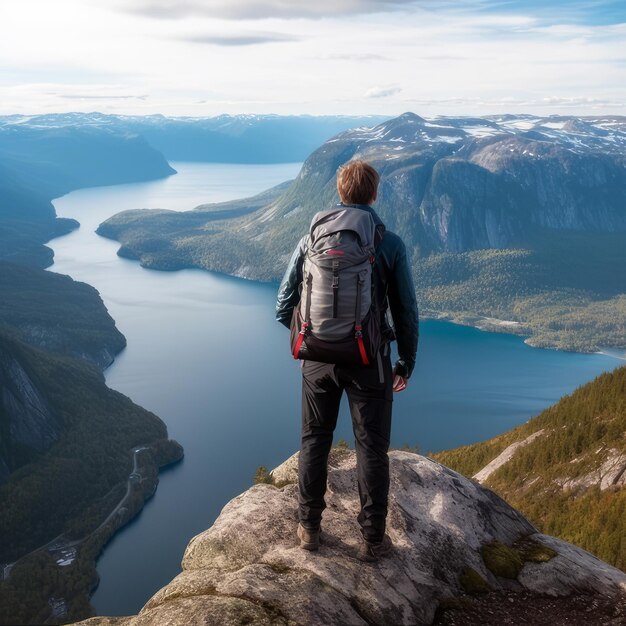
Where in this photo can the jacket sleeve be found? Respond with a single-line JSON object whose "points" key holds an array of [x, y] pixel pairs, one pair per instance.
{"points": [[403, 306], [289, 289]]}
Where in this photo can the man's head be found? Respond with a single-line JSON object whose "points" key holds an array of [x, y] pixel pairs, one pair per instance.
{"points": [[357, 182]]}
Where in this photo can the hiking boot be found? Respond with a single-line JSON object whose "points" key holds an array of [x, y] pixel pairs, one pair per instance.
{"points": [[372, 552], [309, 539]]}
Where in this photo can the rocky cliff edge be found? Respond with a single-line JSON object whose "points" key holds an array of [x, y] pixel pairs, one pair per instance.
{"points": [[452, 538]]}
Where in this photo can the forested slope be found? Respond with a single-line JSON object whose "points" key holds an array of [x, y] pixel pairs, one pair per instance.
{"points": [[566, 470]]}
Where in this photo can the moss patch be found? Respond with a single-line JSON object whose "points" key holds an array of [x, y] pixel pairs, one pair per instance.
{"points": [[533, 551], [472, 582], [502, 560]]}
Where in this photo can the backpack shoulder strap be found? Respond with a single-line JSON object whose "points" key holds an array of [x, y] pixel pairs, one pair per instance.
{"points": [[379, 233]]}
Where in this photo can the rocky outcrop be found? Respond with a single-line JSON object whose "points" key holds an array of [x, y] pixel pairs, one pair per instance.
{"points": [[28, 424], [451, 537], [504, 457], [610, 473]]}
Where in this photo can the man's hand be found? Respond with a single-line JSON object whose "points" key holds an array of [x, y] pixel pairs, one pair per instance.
{"points": [[399, 382]]}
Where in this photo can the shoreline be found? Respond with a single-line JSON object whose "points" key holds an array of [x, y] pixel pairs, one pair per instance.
{"points": [[484, 323], [62, 556], [614, 353], [480, 322]]}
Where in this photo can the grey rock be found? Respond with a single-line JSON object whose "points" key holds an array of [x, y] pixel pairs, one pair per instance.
{"points": [[27, 422], [248, 567], [504, 457]]}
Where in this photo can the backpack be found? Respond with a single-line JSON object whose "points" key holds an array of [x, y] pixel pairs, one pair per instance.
{"points": [[337, 320]]}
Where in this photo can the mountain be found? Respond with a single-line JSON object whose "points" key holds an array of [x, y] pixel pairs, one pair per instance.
{"points": [[222, 139], [55, 312], [514, 218], [77, 461], [565, 468], [38, 164], [28, 424], [456, 184], [59, 315], [457, 545], [45, 156]]}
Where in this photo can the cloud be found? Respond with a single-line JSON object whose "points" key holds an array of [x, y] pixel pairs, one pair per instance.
{"points": [[442, 57], [356, 56], [258, 9], [249, 39], [53, 91], [512, 104], [577, 101], [382, 92], [86, 96]]}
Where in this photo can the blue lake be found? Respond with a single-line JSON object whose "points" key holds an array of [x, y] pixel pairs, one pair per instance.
{"points": [[206, 355]]}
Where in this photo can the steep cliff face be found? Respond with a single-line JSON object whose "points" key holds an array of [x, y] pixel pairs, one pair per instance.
{"points": [[452, 538], [55, 312], [480, 183], [28, 424], [77, 461]]}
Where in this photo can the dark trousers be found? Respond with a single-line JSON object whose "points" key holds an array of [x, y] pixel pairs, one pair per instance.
{"points": [[370, 395]]}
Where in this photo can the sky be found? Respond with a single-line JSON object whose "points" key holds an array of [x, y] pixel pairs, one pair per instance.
{"points": [[349, 57]]}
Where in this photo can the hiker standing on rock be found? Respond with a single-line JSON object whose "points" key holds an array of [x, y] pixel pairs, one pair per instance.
{"points": [[343, 279]]}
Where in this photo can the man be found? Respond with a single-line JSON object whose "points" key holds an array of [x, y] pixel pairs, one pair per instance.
{"points": [[369, 387]]}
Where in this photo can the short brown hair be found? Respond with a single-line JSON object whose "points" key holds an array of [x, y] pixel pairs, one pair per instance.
{"points": [[357, 182]]}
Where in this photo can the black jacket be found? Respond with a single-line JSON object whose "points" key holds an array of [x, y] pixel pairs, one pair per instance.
{"points": [[395, 292]]}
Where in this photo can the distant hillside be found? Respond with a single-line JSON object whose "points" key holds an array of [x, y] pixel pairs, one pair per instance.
{"points": [[221, 139], [67, 441], [518, 218], [40, 163], [67, 444], [55, 312], [565, 469], [77, 459]]}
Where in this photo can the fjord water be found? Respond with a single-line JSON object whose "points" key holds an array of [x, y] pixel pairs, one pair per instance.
{"points": [[206, 355]]}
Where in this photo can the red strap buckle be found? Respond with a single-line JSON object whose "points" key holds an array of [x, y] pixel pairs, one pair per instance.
{"points": [[362, 351], [301, 335]]}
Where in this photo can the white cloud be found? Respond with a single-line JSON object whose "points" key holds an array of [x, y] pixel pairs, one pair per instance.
{"points": [[358, 56], [79, 54], [257, 9], [382, 92], [242, 39]]}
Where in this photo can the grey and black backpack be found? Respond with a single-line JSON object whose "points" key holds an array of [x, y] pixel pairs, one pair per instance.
{"points": [[337, 320]]}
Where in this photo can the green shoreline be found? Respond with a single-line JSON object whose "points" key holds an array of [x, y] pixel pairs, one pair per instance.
{"points": [[59, 330]]}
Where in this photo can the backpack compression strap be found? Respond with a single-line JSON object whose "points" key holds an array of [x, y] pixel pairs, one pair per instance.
{"points": [[335, 287], [307, 318], [358, 329]]}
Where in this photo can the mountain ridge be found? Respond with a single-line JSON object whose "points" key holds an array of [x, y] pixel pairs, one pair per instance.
{"points": [[39, 164], [224, 138], [453, 189]]}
